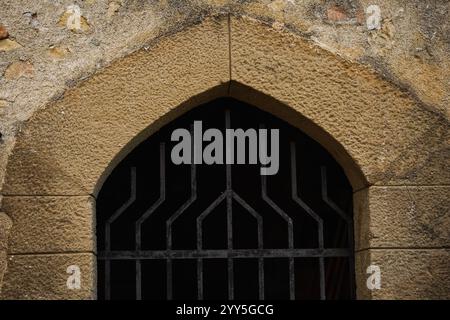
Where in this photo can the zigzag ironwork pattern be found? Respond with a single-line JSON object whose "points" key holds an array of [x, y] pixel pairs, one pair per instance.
{"points": [[228, 196]]}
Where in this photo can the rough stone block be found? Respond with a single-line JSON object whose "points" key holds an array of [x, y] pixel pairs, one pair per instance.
{"points": [[51, 223], [44, 277]]}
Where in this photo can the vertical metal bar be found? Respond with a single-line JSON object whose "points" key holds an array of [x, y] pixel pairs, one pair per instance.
{"points": [[347, 219], [275, 207], [108, 223], [229, 214], [200, 278], [161, 199], [259, 221], [260, 262], [230, 279], [261, 278], [199, 247], [291, 279], [322, 278], [169, 278], [148, 213], [174, 216], [290, 224], [138, 280], [315, 216]]}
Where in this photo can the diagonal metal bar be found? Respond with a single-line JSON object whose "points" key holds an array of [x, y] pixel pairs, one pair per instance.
{"points": [[199, 220], [290, 224], [255, 214], [108, 223], [311, 213], [327, 200], [146, 215], [259, 220], [183, 207], [121, 209], [343, 215], [175, 216], [161, 199], [278, 210], [298, 200], [204, 214]]}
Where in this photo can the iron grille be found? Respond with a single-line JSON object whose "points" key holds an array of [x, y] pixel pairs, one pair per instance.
{"points": [[225, 231]]}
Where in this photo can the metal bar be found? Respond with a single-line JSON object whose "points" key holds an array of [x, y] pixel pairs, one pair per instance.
{"points": [[108, 223], [175, 216], [168, 278], [225, 253], [185, 205], [261, 278], [200, 219], [331, 272], [138, 280], [298, 200], [322, 278], [347, 218], [259, 220], [148, 213], [255, 214], [229, 211], [204, 214], [200, 278], [327, 200], [290, 224], [161, 199], [291, 279], [121, 210], [278, 210], [311, 213], [230, 279]]}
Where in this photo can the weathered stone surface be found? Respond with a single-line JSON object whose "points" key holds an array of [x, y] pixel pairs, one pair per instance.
{"points": [[19, 69], [3, 32], [405, 274], [44, 277], [402, 217], [68, 146], [8, 45], [5, 227], [58, 52], [3, 265], [113, 7], [51, 224], [393, 138]]}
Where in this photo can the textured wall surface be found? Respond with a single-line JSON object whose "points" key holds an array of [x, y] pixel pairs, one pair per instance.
{"points": [[382, 94]]}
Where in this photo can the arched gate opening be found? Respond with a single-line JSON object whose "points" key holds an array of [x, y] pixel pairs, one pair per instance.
{"points": [[224, 231]]}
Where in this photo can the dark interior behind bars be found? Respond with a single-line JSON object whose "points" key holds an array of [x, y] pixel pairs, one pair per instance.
{"points": [[261, 238]]}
